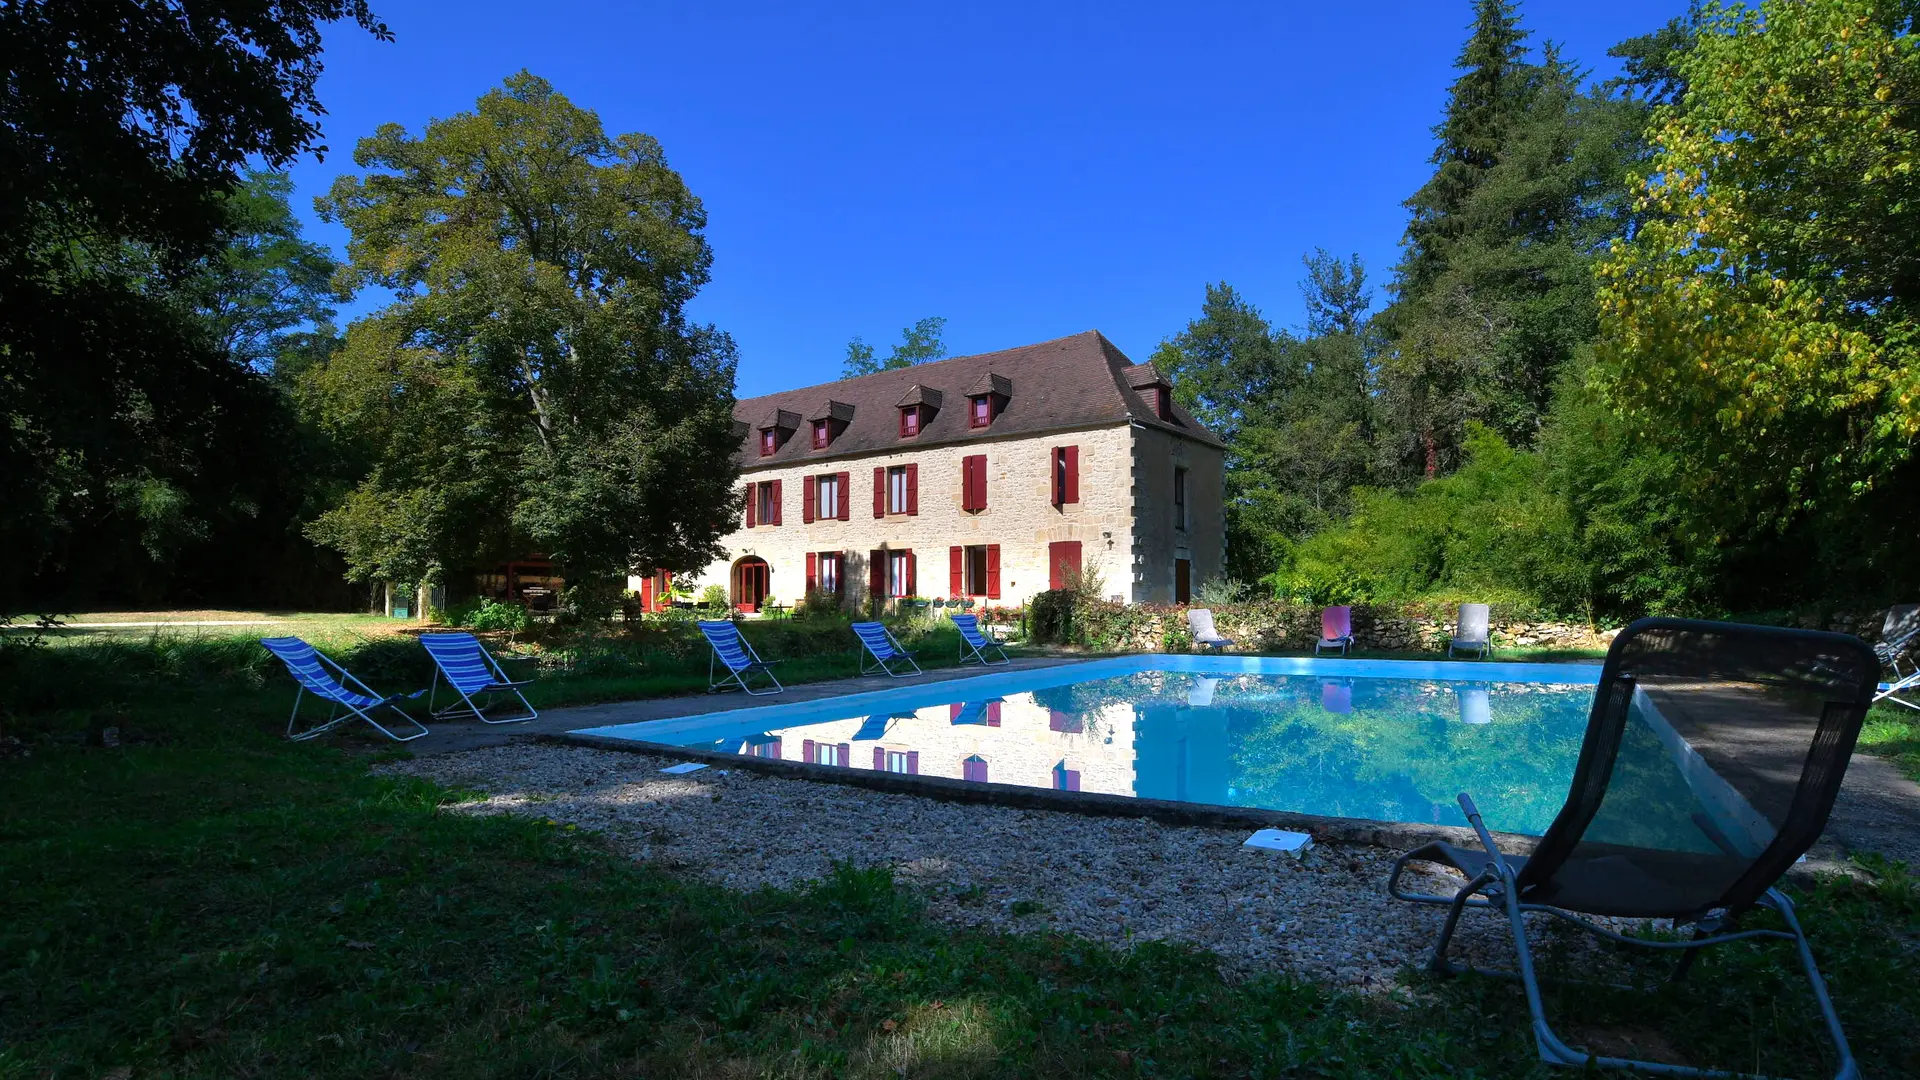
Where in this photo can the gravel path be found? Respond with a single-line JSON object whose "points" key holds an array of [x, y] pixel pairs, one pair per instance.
{"points": [[1326, 917]]}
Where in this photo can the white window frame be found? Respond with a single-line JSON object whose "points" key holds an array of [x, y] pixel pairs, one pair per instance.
{"points": [[827, 572], [764, 505], [826, 753], [896, 489], [826, 497], [898, 757], [897, 573]]}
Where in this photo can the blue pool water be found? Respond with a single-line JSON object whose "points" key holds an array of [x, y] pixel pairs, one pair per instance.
{"points": [[1378, 739]]}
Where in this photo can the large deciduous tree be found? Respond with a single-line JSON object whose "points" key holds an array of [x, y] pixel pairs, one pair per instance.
{"points": [[123, 130], [1764, 321], [536, 384]]}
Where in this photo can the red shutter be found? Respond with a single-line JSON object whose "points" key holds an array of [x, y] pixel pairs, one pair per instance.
{"points": [[846, 759], [973, 482], [775, 520], [806, 504], [753, 497], [813, 572], [913, 489], [913, 588], [880, 758], [913, 763], [877, 572], [879, 491], [1063, 558], [993, 571], [966, 483], [665, 595], [806, 751], [1072, 493], [956, 571], [993, 713]]}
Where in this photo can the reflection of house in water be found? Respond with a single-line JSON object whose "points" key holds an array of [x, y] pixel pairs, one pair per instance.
{"points": [[1181, 752], [1011, 740]]}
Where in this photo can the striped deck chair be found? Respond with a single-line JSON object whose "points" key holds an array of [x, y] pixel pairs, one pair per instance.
{"points": [[1336, 630], [732, 651], [328, 681], [876, 641], [974, 644], [472, 672]]}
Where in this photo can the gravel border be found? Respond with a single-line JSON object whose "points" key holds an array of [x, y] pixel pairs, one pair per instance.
{"points": [[1120, 881]]}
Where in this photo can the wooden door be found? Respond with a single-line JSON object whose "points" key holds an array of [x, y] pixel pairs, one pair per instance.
{"points": [[1182, 580], [1063, 563]]}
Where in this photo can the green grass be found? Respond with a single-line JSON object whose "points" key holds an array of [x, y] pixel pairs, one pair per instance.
{"points": [[212, 902], [1893, 732]]}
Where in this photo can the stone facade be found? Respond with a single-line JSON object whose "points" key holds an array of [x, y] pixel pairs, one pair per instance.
{"points": [[1123, 519]]}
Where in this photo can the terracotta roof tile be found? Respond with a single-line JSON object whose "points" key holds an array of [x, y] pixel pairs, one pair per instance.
{"points": [[1070, 382]]}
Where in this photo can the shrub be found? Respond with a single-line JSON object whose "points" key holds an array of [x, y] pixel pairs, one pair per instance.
{"points": [[486, 614], [713, 597]]}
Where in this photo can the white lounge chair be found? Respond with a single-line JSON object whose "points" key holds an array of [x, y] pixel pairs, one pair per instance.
{"points": [[1470, 631], [1200, 622], [1899, 639]]}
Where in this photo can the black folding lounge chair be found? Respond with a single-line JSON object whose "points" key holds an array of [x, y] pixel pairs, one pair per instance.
{"points": [[1712, 756]]}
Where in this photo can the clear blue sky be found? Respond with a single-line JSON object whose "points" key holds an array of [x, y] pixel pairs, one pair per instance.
{"points": [[1026, 170]]}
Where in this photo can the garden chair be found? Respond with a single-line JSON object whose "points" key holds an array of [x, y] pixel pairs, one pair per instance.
{"points": [[472, 672], [1476, 704], [1899, 637], [1336, 630], [1711, 759], [328, 681], [973, 642], [1200, 623], [879, 643], [1200, 694], [1470, 632], [732, 651]]}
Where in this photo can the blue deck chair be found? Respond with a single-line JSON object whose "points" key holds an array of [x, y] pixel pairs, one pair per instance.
{"points": [[472, 672], [732, 650], [876, 641], [974, 644], [328, 681]]}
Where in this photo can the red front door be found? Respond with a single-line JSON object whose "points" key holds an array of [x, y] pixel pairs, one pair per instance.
{"points": [[750, 584]]}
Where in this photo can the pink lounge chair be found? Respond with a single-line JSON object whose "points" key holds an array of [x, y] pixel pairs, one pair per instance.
{"points": [[1336, 630]]}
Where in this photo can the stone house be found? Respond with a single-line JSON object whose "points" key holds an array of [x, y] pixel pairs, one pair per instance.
{"points": [[990, 477]]}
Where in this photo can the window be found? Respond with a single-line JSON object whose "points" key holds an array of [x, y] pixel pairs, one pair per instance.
{"points": [[830, 572], [822, 434], [767, 497], [980, 410], [1180, 499], [1163, 402], [1065, 722], [762, 746], [975, 571], [820, 753], [975, 769], [909, 420], [899, 761], [899, 573], [1065, 779], [897, 489], [769, 441], [1066, 475], [973, 483], [827, 497]]}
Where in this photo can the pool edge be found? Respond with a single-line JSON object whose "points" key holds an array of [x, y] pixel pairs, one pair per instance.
{"points": [[1394, 835]]}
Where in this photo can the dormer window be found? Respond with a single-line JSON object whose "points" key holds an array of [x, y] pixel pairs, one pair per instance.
{"points": [[987, 398], [769, 441], [1163, 402], [822, 434], [916, 409], [775, 428], [1154, 390], [827, 421]]}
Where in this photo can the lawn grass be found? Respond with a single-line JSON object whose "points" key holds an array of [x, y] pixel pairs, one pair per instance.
{"points": [[1893, 732], [209, 901]]}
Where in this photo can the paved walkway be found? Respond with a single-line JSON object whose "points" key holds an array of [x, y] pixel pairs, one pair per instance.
{"points": [[460, 735]]}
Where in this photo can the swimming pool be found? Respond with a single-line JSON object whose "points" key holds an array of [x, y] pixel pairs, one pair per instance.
{"points": [[1385, 740]]}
